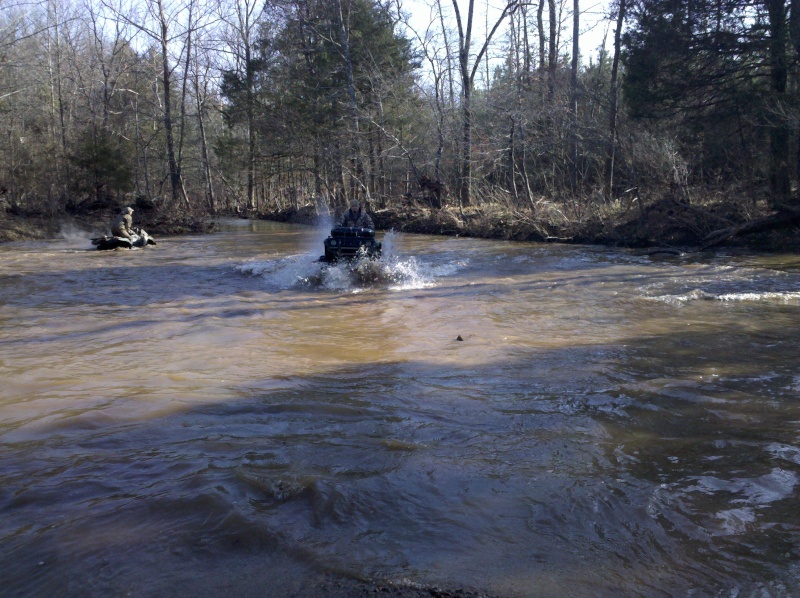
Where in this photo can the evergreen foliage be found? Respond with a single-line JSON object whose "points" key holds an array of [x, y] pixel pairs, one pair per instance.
{"points": [[717, 70], [101, 164]]}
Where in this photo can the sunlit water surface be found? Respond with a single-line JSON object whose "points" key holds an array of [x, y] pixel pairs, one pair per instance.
{"points": [[221, 415]]}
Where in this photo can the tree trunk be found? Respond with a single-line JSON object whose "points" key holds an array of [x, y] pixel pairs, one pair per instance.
{"points": [[174, 173], [512, 162], [356, 161], [452, 98], [573, 170], [542, 36], [788, 216], [551, 57], [794, 34], [372, 160], [614, 99], [467, 81], [317, 171], [200, 96], [184, 89], [251, 128], [465, 188], [58, 97], [440, 136], [780, 181]]}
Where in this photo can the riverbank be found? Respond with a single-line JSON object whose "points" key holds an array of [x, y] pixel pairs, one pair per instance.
{"points": [[16, 227], [667, 224]]}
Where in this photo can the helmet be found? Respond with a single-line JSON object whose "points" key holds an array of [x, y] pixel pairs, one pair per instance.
{"points": [[354, 203], [129, 210]]}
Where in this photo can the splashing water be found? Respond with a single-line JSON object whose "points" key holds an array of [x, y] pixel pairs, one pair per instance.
{"points": [[75, 236], [391, 271]]}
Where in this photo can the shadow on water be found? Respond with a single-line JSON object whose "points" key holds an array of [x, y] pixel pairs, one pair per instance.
{"points": [[572, 481], [132, 286]]}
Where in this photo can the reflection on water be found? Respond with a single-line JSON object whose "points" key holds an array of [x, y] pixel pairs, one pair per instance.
{"points": [[222, 414]]}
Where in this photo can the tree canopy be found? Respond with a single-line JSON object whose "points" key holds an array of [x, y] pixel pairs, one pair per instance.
{"points": [[225, 105]]}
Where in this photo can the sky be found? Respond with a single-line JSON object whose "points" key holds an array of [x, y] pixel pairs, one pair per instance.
{"points": [[594, 22]]}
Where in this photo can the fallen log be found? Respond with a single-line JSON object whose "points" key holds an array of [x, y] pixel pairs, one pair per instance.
{"points": [[665, 250], [787, 216]]}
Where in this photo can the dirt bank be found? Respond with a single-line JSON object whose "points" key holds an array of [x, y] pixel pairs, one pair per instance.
{"points": [[15, 227], [667, 223]]}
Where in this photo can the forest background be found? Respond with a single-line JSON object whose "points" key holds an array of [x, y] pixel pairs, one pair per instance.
{"points": [[679, 128]]}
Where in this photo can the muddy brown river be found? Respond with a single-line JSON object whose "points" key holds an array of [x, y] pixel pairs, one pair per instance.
{"points": [[220, 415]]}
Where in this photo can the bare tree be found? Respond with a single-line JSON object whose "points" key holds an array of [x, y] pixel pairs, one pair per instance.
{"points": [[241, 21], [542, 36], [552, 56], [163, 38], [56, 84], [435, 49], [201, 81], [614, 101], [794, 35], [467, 71], [576, 32], [357, 165], [157, 25]]}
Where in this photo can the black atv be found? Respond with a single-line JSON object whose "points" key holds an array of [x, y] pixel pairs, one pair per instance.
{"points": [[141, 239], [349, 242]]}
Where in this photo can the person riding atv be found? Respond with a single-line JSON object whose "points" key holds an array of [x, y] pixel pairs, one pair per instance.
{"points": [[357, 217], [355, 237], [123, 224], [123, 235]]}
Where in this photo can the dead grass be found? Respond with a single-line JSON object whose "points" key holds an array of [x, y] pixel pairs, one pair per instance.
{"points": [[668, 220]]}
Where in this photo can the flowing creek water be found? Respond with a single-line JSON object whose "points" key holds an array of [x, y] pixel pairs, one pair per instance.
{"points": [[220, 415]]}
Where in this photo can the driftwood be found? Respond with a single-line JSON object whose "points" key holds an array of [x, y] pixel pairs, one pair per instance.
{"points": [[665, 250], [787, 215]]}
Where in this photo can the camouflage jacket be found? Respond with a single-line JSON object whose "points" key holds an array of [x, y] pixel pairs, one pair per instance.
{"points": [[360, 219], [122, 226]]}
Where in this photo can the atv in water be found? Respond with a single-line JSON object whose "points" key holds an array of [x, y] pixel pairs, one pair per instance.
{"points": [[350, 242], [142, 239]]}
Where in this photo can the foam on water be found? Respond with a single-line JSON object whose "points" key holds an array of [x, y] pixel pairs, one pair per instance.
{"points": [[727, 284], [788, 297]]}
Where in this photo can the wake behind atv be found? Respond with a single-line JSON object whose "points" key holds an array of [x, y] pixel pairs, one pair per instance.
{"points": [[350, 242]]}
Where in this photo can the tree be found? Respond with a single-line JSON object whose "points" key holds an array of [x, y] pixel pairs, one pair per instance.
{"points": [[156, 26], [716, 66], [614, 101], [467, 71], [102, 164], [576, 51], [338, 65], [247, 44], [794, 35]]}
